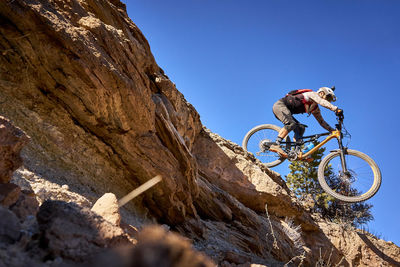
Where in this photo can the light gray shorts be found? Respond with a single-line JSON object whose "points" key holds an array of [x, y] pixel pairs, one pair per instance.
{"points": [[283, 114]]}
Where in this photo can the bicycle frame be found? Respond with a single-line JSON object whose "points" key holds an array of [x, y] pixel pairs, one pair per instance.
{"points": [[335, 134]]}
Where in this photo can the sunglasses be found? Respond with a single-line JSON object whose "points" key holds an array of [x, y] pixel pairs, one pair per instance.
{"points": [[330, 98]]}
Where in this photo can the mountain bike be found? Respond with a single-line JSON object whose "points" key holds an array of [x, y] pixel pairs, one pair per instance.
{"points": [[346, 174]]}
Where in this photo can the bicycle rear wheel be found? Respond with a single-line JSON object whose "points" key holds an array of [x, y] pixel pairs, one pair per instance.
{"points": [[258, 140], [361, 181]]}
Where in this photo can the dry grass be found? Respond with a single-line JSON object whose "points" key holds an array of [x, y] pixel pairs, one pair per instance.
{"points": [[275, 244], [323, 261]]}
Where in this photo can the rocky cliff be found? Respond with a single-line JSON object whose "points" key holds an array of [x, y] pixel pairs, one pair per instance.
{"points": [[79, 79]]}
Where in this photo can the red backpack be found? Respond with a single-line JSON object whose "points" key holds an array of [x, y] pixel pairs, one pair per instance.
{"points": [[298, 91], [295, 101]]}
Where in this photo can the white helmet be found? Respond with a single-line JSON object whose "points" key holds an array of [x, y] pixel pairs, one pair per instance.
{"points": [[330, 95]]}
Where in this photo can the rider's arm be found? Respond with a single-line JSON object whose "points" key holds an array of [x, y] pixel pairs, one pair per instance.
{"points": [[319, 100], [317, 114]]}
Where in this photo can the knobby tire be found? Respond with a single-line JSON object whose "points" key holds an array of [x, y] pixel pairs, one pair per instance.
{"points": [[259, 128], [325, 163]]}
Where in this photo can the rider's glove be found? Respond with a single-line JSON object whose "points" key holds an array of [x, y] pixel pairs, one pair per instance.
{"points": [[339, 112]]}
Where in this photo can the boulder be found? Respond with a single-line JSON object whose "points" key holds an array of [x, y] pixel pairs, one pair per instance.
{"points": [[10, 227], [107, 207], [27, 205], [9, 194], [72, 232]]}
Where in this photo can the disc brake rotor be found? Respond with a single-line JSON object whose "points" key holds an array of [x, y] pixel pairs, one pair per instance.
{"points": [[348, 177]]}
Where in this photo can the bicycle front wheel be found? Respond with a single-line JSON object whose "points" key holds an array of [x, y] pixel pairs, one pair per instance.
{"points": [[258, 140], [361, 181]]}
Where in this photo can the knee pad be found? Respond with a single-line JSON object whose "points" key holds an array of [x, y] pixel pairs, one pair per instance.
{"points": [[290, 126]]}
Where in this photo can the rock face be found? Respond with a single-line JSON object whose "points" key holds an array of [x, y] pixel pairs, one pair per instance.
{"points": [[9, 194], [80, 79], [99, 110]]}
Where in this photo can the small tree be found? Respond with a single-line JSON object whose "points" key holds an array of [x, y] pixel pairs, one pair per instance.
{"points": [[303, 181]]}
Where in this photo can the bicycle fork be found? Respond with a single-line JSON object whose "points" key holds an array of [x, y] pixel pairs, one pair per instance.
{"points": [[342, 156]]}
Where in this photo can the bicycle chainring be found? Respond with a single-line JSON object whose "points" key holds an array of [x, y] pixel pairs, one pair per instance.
{"points": [[292, 155]]}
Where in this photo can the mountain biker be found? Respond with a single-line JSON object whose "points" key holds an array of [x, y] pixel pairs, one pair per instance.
{"points": [[302, 101]]}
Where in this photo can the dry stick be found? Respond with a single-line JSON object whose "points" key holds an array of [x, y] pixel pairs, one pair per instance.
{"points": [[320, 261], [301, 257], [20, 37], [147, 185], [330, 255], [337, 264], [5, 51], [275, 244]]}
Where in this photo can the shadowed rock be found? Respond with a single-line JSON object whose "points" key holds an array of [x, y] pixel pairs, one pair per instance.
{"points": [[9, 227], [9, 194], [27, 205], [76, 233], [12, 140]]}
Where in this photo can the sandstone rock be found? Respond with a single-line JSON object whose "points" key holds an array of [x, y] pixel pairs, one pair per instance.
{"points": [[101, 113], [228, 166], [9, 227], [361, 248], [47, 190], [249, 184], [12, 139], [233, 257], [107, 207], [9, 194], [76, 233], [27, 205]]}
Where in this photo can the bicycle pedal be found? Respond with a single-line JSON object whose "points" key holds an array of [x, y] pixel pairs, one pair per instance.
{"points": [[278, 150]]}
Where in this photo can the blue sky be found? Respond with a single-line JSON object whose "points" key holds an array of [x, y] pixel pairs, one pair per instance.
{"points": [[233, 59]]}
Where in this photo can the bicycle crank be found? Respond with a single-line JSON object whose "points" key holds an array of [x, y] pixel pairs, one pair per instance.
{"points": [[292, 155]]}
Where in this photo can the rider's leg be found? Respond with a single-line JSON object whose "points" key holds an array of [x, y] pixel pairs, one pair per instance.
{"points": [[283, 114], [283, 133], [298, 136], [298, 132]]}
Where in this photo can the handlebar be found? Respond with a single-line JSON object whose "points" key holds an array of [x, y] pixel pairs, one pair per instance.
{"points": [[340, 119]]}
